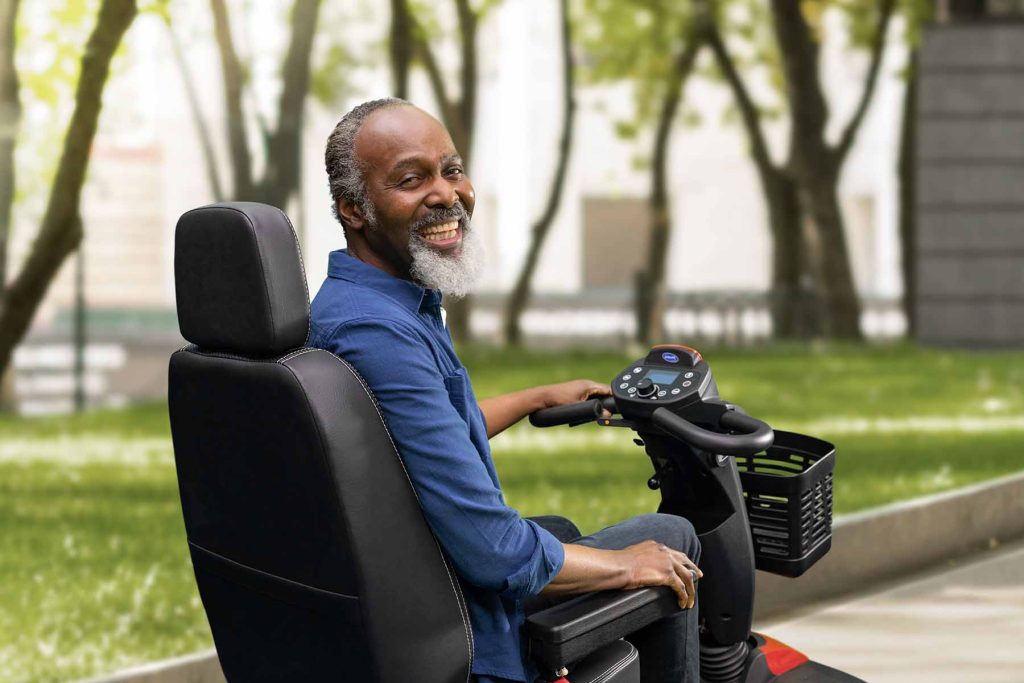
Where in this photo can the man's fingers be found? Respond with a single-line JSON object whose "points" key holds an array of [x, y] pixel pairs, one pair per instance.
{"points": [[682, 596], [687, 579], [681, 557]]}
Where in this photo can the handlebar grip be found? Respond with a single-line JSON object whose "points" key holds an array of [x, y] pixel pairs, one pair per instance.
{"points": [[756, 437], [759, 435], [568, 414]]}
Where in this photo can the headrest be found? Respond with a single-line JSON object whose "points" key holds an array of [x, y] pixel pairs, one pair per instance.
{"points": [[239, 281]]}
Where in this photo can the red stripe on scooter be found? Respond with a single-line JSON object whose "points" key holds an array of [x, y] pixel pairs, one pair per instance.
{"points": [[780, 657]]}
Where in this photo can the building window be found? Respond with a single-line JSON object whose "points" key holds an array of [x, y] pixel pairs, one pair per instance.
{"points": [[616, 233]]}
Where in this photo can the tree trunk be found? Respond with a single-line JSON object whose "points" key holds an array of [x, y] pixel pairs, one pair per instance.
{"points": [[789, 303], [60, 232], [520, 294], [10, 115], [650, 296], [460, 117], [908, 198], [814, 164], [284, 146], [231, 68], [400, 47], [787, 299], [842, 317]]}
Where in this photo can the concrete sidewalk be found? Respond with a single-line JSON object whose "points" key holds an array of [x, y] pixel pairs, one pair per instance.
{"points": [[964, 623]]}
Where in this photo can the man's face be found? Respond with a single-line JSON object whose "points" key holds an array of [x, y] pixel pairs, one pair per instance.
{"points": [[421, 198]]}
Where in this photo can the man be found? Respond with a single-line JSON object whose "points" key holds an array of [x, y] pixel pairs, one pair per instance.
{"points": [[402, 196]]}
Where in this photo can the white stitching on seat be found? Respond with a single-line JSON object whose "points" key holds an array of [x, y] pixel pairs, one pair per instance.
{"points": [[618, 666], [455, 586], [295, 353], [232, 356], [302, 267]]}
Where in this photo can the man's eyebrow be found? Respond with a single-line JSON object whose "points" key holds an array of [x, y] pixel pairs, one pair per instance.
{"points": [[407, 162], [416, 161]]}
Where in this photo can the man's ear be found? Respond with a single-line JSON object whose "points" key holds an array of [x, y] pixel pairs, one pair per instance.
{"points": [[351, 214]]}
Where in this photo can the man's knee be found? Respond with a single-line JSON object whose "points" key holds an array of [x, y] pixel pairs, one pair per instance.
{"points": [[674, 531]]}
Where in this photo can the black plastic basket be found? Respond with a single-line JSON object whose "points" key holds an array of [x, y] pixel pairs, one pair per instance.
{"points": [[788, 490]]}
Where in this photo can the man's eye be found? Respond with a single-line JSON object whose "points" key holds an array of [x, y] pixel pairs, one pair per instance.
{"points": [[408, 180], [456, 171]]}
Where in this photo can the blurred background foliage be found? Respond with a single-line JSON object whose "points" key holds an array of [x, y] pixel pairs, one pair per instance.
{"points": [[94, 570]]}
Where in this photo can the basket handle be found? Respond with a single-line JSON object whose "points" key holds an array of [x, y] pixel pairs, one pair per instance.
{"points": [[754, 436]]}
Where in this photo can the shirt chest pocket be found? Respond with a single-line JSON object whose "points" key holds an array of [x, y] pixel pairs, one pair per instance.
{"points": [[457, 393]]}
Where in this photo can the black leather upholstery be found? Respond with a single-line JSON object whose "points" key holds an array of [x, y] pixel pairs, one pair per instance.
{"points": [[310, 551], [573, 629], [614, 663], [238, 280]]}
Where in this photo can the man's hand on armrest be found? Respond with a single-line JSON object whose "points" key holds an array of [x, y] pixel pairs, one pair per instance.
{"points": [[501, 412], [645, 564]]}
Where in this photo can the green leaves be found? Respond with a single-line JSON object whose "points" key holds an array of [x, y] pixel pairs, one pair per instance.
{"points": [[329, 81], [636, 41]]}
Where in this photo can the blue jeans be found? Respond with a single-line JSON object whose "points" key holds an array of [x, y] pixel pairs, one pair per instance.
{"points": [[670, 648]]}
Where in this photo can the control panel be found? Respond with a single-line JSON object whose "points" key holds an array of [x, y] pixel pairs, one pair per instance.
{"points": [[670, 375]]}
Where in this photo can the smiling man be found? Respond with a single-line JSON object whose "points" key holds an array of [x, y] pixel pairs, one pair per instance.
{"points": [[401, 194]]}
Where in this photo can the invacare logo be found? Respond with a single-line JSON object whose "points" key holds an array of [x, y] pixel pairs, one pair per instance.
{"points": [[669, 357]]}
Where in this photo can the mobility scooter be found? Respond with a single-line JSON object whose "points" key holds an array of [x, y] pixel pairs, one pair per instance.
{"points": [[313, 560], [758, 498]]}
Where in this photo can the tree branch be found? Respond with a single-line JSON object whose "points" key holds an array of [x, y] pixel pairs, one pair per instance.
{"points": [[434, 74], [885, 11], [748, 109], [205, 141], [233, 81]]}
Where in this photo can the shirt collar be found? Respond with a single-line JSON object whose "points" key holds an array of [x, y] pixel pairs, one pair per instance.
{"points": [[342, 266]]}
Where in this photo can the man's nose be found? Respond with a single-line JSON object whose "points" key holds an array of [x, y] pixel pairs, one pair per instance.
{"points": [[442, 193]]}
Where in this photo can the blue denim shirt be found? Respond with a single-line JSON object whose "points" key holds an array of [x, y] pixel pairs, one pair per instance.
{"points": [[391, 331]]}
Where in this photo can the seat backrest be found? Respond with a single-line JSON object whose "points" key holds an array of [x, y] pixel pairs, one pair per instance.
{"points": [[312, 556]]}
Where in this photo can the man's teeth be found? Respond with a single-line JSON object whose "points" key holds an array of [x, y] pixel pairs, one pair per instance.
{"points": [[441, 232]]}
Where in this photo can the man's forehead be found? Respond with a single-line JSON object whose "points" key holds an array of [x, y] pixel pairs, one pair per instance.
{"points": [[391, 136]]}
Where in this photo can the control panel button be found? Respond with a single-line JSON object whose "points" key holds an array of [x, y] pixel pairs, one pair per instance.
{"points": [[676, 391], [637, 370], [631, 390], [687, 375], [687, 383], [646, 387], [627, 377], [662, 392], [623, 385]]}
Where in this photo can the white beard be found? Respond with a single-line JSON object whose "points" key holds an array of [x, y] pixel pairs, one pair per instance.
{"points": [[454, 276]]}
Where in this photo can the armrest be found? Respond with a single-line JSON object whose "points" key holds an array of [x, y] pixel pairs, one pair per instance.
{"points": [[571, 630]]}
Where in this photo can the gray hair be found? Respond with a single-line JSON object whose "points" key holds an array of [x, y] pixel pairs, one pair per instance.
{"points": [[344, 172]]}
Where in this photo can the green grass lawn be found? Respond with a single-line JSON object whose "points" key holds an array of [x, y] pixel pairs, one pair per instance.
{"points": [[94, 572]]}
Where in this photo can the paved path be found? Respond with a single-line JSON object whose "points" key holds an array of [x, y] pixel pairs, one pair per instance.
{"points": [[965, 623]]}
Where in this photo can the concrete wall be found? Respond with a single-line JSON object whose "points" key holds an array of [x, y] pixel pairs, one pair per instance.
{"points": [[970, 185]]}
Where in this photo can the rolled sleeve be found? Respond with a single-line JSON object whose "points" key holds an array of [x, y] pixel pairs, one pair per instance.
{"points": [[490, 545]]}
